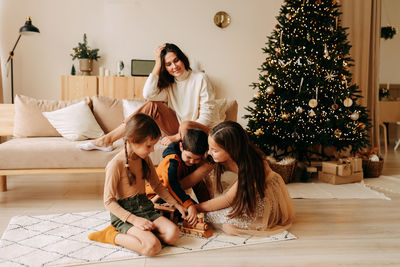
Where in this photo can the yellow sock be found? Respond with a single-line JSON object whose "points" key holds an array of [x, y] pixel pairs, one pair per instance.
{"points": [[106, 235]]}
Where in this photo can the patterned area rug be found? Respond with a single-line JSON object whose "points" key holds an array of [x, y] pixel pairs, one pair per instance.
{"points": [[61, 239]]}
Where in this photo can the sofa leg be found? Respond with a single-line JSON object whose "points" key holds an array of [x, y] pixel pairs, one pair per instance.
{"points": [[3, 183]]}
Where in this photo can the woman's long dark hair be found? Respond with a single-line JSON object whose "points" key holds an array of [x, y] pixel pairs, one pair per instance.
{"points": [[165, 78], [137, 130], [233, 139]]}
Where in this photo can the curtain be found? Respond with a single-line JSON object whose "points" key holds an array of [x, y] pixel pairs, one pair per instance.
{"points": [[363, 18]]}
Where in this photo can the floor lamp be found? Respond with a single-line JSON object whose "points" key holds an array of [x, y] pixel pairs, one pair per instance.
{"points": [[27, 29]]}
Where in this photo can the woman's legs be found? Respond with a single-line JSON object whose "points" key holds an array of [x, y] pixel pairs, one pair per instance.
{"points": [[164, 117], [144, 242], [111, 137]]}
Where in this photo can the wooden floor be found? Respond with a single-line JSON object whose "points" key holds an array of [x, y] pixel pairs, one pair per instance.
{"points": [[330, 232]]}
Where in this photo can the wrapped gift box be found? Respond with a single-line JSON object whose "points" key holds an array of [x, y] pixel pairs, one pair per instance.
{"points": [[337, 168], [356, 163], [336, 179]]}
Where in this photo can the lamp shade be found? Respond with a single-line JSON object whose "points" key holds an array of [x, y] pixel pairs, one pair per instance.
{"points": [[28, 27]]}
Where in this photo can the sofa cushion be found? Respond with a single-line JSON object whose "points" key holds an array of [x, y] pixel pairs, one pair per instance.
{"points": [[108, 112], [57, 152], [231, 110], [29, 120], [51, 152], [131, 105], [221, 105], [75, 122]]}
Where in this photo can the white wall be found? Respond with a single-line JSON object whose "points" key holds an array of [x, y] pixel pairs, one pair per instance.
{"points": [[390, 49], [127, 29]]}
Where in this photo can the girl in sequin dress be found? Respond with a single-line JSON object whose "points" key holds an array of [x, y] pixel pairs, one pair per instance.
{"points": [[258, 202]]}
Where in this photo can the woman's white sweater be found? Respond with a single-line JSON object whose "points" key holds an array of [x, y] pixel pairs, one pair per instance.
{"points": [[191, 96]]}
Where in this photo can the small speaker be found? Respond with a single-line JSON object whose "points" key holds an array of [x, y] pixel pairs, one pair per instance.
{"points": [[141, 67]]}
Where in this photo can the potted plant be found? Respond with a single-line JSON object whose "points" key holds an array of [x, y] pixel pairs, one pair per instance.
{"points": [[86, 55]]}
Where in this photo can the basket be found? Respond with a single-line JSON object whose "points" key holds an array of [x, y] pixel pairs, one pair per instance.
{"points": [[372, 169], [287, 171]]}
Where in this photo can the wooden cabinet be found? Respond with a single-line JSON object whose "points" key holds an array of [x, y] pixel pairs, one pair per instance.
{"points": [[73, 87]]}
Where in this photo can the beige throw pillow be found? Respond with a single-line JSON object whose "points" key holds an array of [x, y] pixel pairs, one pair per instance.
{"points": [[108, 112], [75, 122], [29, 120]]}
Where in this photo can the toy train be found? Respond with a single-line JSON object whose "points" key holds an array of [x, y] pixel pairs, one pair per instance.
{"points": [[199, 229]]}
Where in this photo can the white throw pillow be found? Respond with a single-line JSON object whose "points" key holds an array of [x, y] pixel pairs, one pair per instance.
{"points": [[131, 105], [75, 122]]}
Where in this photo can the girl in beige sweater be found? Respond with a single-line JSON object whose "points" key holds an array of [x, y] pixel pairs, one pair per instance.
{"points": [[258, 202], [139, 227]]}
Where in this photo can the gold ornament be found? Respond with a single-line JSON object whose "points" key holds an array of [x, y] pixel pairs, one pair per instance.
{"points": [[270, 90], [337, 133], [258, 132], [313, 103], [288, 16], [311, 113], [348, 102], [355, 116], [360, 125], [285, 116], [299, 109]]}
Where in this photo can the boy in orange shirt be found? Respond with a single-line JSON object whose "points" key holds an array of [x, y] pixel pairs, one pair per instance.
{"points": [[183, 160]]}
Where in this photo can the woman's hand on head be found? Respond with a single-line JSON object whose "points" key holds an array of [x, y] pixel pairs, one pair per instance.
{"points": [[157, 52], [157, 57]]}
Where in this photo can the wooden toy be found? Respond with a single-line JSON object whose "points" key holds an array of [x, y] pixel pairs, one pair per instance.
{"points": [[199, 229], [166, 211]]}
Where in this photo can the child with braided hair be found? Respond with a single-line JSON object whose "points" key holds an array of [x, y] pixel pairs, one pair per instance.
{"points": [[134, 222]]}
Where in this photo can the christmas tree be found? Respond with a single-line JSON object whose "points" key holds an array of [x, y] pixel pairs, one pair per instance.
{"points": [[305, 96]]}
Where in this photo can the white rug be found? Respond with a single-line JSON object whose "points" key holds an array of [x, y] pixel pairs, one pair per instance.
{"points": [[321, 190], [389, 184], [61, 239]]}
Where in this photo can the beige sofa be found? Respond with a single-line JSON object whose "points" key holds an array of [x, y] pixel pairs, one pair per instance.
{"points": [[39, 148]]}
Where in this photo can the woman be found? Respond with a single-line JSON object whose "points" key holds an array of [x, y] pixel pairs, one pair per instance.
{"points": [[190, 97], [258, 202]]}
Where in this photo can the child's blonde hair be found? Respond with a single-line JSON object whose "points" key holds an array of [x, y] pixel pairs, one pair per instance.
{"points": [[138, 129]]}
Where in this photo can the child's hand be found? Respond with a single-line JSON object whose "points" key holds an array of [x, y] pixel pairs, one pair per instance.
{"points": [[142, 223], [181, 209], [192, 215]]}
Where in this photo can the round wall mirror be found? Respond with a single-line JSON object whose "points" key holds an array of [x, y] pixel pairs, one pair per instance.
{"points": [[222, 19]]}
